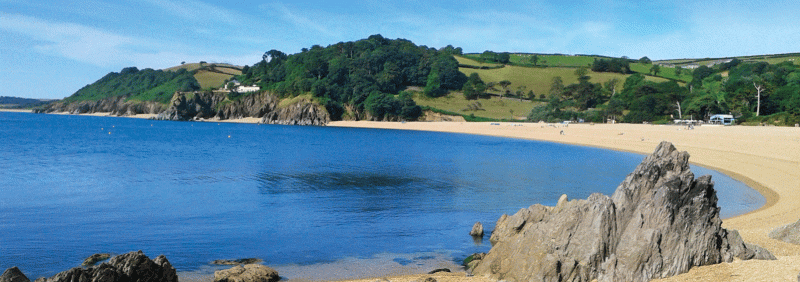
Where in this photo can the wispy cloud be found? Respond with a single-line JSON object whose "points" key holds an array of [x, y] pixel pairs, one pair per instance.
{"points": [[299, 21], [103, 48], [198, 11]]}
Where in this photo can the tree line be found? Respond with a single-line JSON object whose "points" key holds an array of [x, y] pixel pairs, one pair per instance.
{"points": [[365, 77]]}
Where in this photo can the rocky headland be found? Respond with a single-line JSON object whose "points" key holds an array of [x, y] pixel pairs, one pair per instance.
{"points": [[185, 106], [660, 222]]}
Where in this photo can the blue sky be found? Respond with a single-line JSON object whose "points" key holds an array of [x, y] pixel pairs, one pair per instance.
{"points": [[50, 49]]}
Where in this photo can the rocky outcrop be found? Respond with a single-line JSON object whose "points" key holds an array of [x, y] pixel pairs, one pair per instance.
{"points": [[302, 112], [130, 267], [477, 230], [788, 233], [660, 222], [247, 273], [236, 261], [195, 106], [94, 259], [117, 106], [13, 275]]}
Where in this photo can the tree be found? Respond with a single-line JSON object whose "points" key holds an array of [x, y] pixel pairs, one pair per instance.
{"points": [[433, 87], [556, 86], [759, 85], [535, 59], [582, 72], [611, 85], [645, 60], [678, 71], [504, 84], [655, 69]]}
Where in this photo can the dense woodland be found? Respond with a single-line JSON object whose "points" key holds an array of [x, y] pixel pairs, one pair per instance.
{"points": [[362, 76]]}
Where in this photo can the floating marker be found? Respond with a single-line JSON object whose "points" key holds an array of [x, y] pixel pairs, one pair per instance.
{"points": [[109, 132], [229, 136]]}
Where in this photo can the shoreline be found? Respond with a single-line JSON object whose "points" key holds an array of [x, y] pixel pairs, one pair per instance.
{"points": [[764, 158]]}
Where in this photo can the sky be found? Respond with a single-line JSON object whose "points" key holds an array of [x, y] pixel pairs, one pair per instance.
{"points": [[50, 49]]}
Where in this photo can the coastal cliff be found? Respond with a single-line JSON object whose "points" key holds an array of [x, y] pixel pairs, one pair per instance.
{"points": [[117, 106], [660, 222], [186, 106]]}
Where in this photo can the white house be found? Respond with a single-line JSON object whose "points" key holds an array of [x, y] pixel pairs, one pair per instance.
{"points": [[238, 87]]}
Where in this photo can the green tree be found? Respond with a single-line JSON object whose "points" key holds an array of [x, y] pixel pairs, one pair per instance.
{"points": [[645, 60], [556, 86], [655, 69], [433, 87], [678, 71], [535, 59], [504, 84]]}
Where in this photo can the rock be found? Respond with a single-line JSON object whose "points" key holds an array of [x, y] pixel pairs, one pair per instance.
{"points": [[660, 222], [430, 279], [130, 267], [247, 273], [13, 275], [477, 230], [439, 270], [788, 233], [95, 258], [237, 261]]}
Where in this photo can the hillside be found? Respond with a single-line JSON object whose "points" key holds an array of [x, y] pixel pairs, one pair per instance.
{"points": [[18, 103], [210, 76]]}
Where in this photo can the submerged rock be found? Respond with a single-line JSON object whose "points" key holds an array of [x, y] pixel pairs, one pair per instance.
{"points": [[247, 273], [788, 233], [13, 275], [236, 261], [95, 258], [477, 230], [130, 267], [660, 222]]}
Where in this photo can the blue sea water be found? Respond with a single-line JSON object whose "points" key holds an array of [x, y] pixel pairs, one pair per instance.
{"points": [[73, 186]]}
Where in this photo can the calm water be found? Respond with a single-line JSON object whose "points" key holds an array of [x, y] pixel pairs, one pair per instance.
{"points": [[76, 185]]}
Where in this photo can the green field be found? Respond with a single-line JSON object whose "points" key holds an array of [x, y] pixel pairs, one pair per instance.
{"points": [[539, 79], [666, 72], [210, 75], [494, 107], [470, 62]]}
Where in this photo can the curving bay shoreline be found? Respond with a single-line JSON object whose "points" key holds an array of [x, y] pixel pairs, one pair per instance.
{"points": [[765, 158]]}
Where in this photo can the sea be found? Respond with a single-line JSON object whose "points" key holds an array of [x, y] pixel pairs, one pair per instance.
{"points": [[301, 198]]}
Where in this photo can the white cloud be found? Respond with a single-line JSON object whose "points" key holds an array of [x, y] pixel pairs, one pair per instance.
{"points": [[106, 49], [300, 21]]}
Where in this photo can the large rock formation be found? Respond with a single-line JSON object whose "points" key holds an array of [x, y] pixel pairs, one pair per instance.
{"points": [[788, 233], [117, 106], [13, 275], [198, 105], [130, 267], [660, 222], [247, 273]]}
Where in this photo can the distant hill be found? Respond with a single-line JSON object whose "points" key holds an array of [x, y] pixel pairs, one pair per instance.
{"points": [[210, 75], [17, 102]]}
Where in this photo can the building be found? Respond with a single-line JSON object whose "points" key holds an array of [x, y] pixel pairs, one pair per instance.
{"points": [[722, 119]]}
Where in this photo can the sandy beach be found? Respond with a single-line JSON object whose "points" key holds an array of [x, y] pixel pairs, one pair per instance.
{"points": [[764, 158]]}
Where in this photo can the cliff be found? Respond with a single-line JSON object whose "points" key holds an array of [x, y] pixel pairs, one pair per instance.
{"points": [[186, 106], [660, 222]]}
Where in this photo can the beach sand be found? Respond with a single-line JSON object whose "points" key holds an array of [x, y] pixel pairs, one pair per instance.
{"points": [[765, 158]]}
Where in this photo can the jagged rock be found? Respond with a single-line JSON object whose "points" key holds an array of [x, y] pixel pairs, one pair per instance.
{"points": [[95, 258], [439, 270], [477, 230], [788, 233], [660, 222], [118, 106], [247, 273], [13, 275], [130, 267], [236, 261]]}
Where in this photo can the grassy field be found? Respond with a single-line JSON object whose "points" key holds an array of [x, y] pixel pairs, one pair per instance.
{"points": [[470, 62], [539, 79], [494, 107], [666, 72], [206, 77]]}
